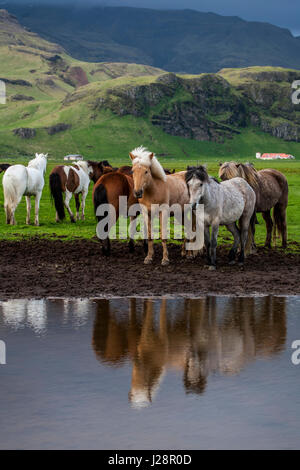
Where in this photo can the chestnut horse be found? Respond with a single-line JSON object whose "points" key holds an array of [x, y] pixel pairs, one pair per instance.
{"points": [[75, 180], [271, 189], [108, 189]]}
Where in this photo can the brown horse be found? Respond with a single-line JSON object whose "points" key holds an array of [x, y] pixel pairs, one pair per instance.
{"points": [[108, 189], [75, 180], [4, 166], [271, 189]]}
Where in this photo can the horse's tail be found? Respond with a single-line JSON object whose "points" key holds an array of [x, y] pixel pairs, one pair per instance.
{"points": [[10, 190], [57, 194], [99, 198], [277, 223]]}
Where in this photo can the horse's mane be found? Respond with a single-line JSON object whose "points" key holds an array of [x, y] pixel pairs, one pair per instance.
{"points": [[84, 165], [143, 156], [199, 171], [34, 163], [243, 170], [249, 173]]}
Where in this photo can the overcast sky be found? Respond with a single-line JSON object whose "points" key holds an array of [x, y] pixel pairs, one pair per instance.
{"points": [[282, 13]]}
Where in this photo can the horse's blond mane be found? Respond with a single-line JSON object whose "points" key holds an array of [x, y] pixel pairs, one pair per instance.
{"points": [[247, 171], [143, 157], [84, 165]]}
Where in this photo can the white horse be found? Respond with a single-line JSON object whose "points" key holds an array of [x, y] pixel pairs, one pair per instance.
{"points": [[224, 204], [19, 181]]}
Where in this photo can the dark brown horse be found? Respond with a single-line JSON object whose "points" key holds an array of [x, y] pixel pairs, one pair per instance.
{"points": [[271, 189], [4, 166], [108, 190]]}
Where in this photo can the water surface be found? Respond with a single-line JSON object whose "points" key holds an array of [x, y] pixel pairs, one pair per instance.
{"points": [[150, 374]]}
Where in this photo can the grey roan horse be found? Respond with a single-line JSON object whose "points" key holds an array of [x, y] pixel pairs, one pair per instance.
{"points": [[224, 204]]}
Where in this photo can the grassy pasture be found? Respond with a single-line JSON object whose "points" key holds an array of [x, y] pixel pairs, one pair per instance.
{"points": [[86, 229]]}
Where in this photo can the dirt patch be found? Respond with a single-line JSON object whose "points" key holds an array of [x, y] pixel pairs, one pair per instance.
{"points": [[40, 268]]}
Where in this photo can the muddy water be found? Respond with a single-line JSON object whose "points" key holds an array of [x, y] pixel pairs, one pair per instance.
{"points": [[160, 374]]}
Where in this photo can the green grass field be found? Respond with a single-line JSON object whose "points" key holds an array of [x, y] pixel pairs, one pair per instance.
{"points": [[86, 229]]}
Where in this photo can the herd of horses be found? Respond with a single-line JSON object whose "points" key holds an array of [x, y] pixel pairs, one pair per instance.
{"points": [[233, 202]]}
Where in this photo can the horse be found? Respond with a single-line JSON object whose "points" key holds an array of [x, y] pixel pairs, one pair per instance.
{"points": [[271, 189], [108, 189], [153, 186], [4, 166], [75, 180], [19, 180], [224, 204]]}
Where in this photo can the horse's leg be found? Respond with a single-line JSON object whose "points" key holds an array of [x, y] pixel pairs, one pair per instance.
{"points": [[77, 203], [269, 224], [28, 206], [213, 246], [83, 198], [207, 243], [244, 227], [279, 216], [284, 225], [165, 260], [237, 239], [67, 205], [36, 208], [149, 257], [131, 239]]}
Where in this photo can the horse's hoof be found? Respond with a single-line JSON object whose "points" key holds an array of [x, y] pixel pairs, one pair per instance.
{"points": [[73, 221], [241, 265], [212, 268], [165, 262], [148, 260], [232, 262], [105, 252]]}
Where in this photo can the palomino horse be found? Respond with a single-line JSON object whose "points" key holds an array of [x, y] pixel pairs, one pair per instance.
{"points": [[153, 186], [19, 180], [224, 204], [199, 337], [75, 180], [271, 189]]}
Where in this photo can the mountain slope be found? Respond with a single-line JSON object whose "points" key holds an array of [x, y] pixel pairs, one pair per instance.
{"points": [[62, 105], [180, 41]]}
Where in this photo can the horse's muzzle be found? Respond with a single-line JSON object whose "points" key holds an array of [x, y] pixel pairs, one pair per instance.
{"points": [[138, 194]]}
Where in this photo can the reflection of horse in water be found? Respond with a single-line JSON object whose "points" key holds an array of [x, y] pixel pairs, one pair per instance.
{"points": [[198, 337]]}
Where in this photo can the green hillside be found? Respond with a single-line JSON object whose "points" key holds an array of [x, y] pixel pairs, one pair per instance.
{"points": [[60, 105]]}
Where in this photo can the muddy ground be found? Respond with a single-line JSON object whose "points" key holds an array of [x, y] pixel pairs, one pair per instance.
{"points": [[40, 268]]}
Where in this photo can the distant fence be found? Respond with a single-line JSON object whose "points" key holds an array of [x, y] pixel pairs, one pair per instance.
{"points": [[2, 92]]}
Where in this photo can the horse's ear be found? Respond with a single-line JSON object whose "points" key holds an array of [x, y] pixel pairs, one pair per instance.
{"points": [[132, 156], [36, 155], [46, 155], [151, 156]]}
